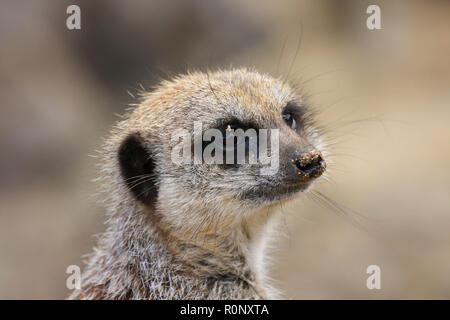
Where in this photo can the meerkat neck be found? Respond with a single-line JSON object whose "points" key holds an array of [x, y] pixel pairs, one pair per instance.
{"points": [[137, 255], [234, 254], [236, 251]]}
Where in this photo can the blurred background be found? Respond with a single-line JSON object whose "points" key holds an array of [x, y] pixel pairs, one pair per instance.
{"points": [[383, 94]]}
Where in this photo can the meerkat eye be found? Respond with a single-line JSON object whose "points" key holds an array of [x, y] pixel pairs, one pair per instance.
{"points": [[229, 129], [290, 121], [294, 114], [230, 138]]}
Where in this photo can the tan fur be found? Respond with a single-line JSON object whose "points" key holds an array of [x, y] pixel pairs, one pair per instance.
{"points": [[200, 241]]}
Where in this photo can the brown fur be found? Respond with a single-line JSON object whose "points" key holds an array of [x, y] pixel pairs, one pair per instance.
{"points": [[199, 240]]}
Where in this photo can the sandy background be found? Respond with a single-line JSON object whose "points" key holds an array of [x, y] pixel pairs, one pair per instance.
{"points": [[384, 94]]}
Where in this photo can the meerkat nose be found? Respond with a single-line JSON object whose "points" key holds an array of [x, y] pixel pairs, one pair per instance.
{"points": [[310, 164]]}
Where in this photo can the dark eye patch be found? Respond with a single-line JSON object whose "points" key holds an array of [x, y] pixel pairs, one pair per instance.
{"points": [[235, 124], [293, 107], [223, 126], [294, 115], [289, 118]]}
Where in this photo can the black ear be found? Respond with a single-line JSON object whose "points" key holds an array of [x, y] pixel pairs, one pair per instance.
{"points": [[138, 169]]}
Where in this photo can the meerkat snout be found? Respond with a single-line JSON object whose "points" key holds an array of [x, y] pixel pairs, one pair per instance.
{"points": [[310, 165], [192, 179]]}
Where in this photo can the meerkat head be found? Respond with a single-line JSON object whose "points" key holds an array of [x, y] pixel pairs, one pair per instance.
{"points": [[178, 151]]}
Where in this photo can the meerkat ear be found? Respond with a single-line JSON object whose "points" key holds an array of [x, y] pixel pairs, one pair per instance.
{"points": [[138, 169]]}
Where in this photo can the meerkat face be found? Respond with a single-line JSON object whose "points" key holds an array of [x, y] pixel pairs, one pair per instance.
{"points": [[174, 146]]}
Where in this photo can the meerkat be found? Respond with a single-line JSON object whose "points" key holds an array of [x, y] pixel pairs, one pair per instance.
{"points": [[197, 231]]}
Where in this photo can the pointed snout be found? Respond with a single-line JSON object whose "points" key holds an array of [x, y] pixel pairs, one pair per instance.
{"points": [[309, 165]]}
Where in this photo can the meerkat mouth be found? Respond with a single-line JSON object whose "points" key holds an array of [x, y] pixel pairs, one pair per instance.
{"points": [[275, 193]]}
